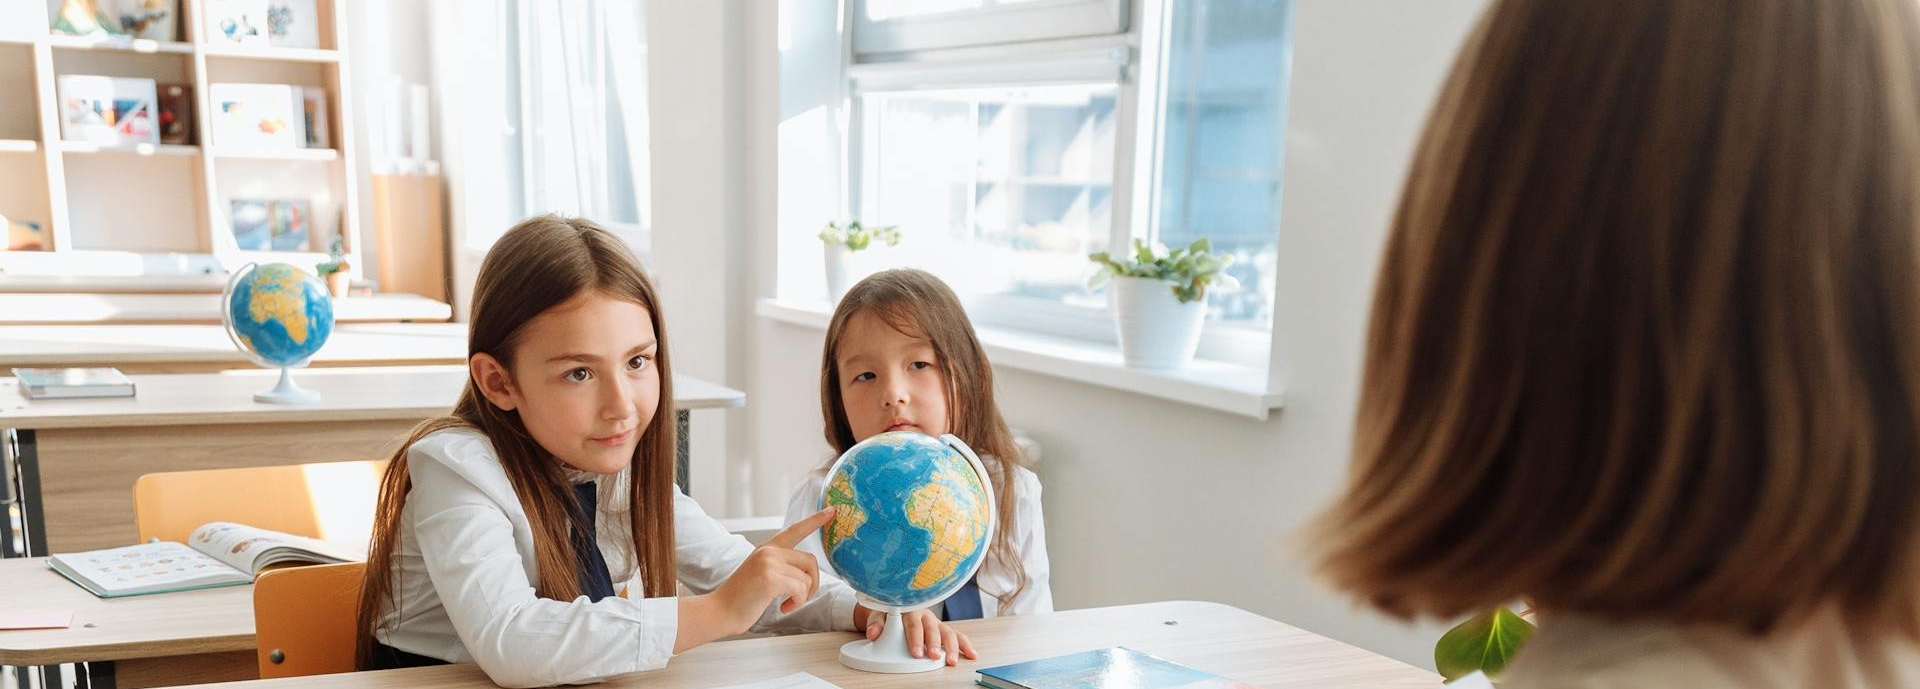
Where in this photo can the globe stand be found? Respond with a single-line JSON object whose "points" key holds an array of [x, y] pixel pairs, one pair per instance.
{"points": [[889, 652], [286, 392]]}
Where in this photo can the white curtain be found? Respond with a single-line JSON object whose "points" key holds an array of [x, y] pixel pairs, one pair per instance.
{"points": [[545, 111]]}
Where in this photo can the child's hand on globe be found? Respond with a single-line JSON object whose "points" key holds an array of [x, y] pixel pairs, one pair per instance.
{"points": [[925, 629]]}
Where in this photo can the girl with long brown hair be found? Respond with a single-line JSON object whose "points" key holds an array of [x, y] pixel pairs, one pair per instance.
{"points": [[1645, 348], [504, 530], [901, 354]]}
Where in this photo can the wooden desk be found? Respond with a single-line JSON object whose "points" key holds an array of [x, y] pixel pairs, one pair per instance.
{"points": [[77, 459], [1215, 638], [157, 640], [202, 348], [126, 308]]}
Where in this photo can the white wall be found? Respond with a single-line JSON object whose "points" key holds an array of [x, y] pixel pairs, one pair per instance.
{"points": [[1149, 500]]}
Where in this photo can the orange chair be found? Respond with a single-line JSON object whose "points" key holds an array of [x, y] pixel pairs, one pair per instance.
{"points": [[331, 501], [305, 619]]}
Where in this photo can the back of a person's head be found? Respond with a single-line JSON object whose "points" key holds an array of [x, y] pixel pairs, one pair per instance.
{"points": [[1646, 337]]}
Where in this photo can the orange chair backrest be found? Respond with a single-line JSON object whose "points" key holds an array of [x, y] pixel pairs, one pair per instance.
{"points": [[331, 500], [306, 618]]}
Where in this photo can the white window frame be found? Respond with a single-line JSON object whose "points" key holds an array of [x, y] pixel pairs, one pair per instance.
{"points": [[1071, 60], [995, 23]]}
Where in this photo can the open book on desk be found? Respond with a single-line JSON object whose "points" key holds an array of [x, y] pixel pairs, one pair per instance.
{"points": [[216, 554]]}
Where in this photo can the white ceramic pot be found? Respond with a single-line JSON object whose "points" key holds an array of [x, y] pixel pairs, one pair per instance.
{"points": [[1155, 329], [839, 271]]}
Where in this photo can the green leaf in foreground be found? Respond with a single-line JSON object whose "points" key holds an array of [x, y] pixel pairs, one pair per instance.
{"points": [[1487, 642]]}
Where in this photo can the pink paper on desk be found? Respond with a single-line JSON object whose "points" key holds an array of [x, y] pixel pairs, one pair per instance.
{"points": [[36, 619]]}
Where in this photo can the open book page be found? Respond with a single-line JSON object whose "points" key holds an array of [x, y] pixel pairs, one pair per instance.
{"points": [[251, 549], [144, 568]]}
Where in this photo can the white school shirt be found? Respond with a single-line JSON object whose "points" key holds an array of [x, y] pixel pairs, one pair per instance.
{"points": [[1028, 532], [1572, 651], [464, 571]]}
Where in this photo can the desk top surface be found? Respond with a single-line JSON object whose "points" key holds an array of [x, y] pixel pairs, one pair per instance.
{"points": [[159, 625], [128, 345], [1211, 637], [112, 307], [346, 394]]}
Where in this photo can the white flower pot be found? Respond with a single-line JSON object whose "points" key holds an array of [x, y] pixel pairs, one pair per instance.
{"points": [[839, 271], [1155, 329]]}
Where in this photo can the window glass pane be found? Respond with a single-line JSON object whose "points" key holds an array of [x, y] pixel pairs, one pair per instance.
{"points": [[1222, 129], [999, 190]]}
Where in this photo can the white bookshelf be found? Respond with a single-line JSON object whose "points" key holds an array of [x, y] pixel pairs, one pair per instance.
{"points": [[162, 210]]}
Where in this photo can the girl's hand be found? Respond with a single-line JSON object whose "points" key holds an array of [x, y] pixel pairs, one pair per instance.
{"points": [[774, 571], [924, 629]]}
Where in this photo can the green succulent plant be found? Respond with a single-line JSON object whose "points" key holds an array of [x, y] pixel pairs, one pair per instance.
{"points": [[857, 237], [336, 258], [1190, 270]]}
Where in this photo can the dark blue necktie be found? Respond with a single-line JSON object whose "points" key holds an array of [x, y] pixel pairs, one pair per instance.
{"points": [[595, 582], [964, 604]]}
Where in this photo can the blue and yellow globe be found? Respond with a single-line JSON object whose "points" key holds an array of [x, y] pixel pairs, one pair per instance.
{"points": [[912, 521], [279, 314]]}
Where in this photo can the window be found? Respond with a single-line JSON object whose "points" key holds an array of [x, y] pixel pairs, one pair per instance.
{"points": [[1014, 183], [1222, 118], [570, 76], [1005, 163]]}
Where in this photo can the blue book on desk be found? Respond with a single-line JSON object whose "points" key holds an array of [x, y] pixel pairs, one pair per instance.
{"points": [[57, 383], [1108, 668]]}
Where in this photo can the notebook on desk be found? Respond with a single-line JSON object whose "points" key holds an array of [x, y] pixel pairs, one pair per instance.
{"points": [[62, 383], [217, 554], [1118, 667]]}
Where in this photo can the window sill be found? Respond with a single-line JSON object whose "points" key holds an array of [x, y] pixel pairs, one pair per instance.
{"points": [[1208, 384]]}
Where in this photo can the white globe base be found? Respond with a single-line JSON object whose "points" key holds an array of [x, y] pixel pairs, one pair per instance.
{"points": [[286, 392], [889, 652]]}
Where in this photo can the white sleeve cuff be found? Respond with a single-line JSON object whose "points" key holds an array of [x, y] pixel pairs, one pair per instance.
{"points": [[660, 632], [843, 602]]}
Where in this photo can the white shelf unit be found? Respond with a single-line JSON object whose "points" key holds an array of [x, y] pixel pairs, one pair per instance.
{"points": [[164, 208]]}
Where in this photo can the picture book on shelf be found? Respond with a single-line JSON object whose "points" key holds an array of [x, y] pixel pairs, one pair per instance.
{"points": [[60, 383], [288, 221], [258, 118], [108, 110], [216, 554], [1117, 667], [236, 22], [252, 228]]}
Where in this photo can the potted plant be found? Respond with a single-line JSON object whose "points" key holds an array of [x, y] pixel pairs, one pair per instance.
{"points": [[1160, 298], [334, 269], [841, 242]]}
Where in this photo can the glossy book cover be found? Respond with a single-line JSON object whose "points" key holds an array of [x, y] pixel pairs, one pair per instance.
{"points": [[1108, 668]]}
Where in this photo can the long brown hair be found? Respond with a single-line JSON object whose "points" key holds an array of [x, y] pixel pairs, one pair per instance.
{"points": [[1646, 337], [538, 264], [919, 305]]}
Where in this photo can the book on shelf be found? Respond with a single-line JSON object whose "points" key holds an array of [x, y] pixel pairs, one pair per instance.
{"points": [[216, 554], [61, 383], [1117, 667], [108, 110], [257, 118]]}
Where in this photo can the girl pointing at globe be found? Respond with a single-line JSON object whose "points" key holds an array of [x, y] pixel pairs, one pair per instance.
{"points": [[901, 355], [506, 531]]}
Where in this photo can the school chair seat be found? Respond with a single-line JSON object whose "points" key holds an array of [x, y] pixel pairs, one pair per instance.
{"points": [[306, 619], [329, 500]]}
